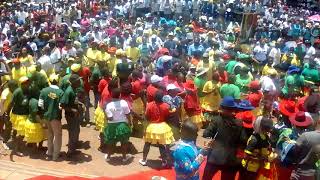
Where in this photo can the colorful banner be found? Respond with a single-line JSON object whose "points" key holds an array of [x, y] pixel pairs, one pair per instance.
{"points": [[248, 25]]}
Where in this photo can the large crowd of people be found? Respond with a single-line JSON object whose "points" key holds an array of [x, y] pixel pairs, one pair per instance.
{"points": [[247, 72]]}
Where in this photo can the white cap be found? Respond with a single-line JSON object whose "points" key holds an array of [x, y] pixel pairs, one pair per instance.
{"points": [[171, 87], [155, 78]]}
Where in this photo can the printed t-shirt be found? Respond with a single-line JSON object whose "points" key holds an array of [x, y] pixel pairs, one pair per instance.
{"points": [[157, 113], [50, 98], [117, 110]]}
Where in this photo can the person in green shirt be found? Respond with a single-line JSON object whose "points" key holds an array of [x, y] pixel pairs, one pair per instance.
{"points": [[243, 79], [74, 34], [95, 78], [19, 107], [49, 102], [37, 80], [293, 86], [200, 80], [70, 103], [230, 89], [34, 133], [124, 68], [311, 73], [230, 66]]}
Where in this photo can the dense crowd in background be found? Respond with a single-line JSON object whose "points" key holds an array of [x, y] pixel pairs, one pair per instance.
{"points": [[247, 72]]}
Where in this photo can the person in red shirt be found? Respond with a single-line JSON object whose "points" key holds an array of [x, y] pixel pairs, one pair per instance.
{"points": [[192, 104], [255, 95], [223, 75], [85, 74], [153, 87], [126, 89], [99, 115], [158, 132], [138, 96]]}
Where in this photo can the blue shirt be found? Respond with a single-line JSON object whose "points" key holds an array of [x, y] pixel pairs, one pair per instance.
{"points": [[185, 163], [173, 102], [192, 49]]}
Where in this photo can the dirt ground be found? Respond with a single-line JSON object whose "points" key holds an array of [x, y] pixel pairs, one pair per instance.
{"points": [[90, 161]]}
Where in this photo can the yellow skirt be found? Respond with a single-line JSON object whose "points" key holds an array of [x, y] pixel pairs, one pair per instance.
{"points": [[137, 106], [198, 120], [34, 132], [159, 133], [18, 123], [99, 118]]}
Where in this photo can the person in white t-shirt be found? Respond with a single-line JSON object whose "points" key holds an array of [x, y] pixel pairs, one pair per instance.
{"points": [[178, 8], [118, 128], [45, 62], [310, 52], [275, 53]]}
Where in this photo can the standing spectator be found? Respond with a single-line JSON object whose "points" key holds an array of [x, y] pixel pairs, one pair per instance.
{"points": [[225, 133], [70, 103]]}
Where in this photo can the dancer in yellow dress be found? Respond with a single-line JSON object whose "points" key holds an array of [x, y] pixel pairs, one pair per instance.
{"points": [[34, 133], [158, 132], [19, 108]]}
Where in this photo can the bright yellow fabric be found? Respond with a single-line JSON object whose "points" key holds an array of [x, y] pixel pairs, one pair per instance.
{"points": [[6, 97], [198, 120], [18, 123], [159, 133], [91, 57], [211, 65], [18, 73], [137, 106], [100, 119], [111, 63], [26, 61], [104, 56], [34, 132], [133, 53], [211, 101], [294, 60]]}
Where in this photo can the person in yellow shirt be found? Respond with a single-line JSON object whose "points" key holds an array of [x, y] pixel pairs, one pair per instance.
{"points": [[206, 63], [111, 62], [211, 100], [92, 55], [267, 68], [133, 52], [290, 58], [18, 71], [104, 55], [25, 58], [6, 97]]}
